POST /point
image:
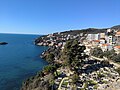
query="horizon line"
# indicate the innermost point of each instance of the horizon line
(20, 33)
(53, 32)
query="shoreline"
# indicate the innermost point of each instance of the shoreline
(69, 66)
(44, 75)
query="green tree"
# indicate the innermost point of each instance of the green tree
(118, 70)
(50, 57)
(51, 81)
(49, 68)
(73, 53)
(116, 58)
(97, 52)
(110, 54)
(75, 78)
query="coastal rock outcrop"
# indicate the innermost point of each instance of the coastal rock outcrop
(70, 68)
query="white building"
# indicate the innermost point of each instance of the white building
(118, 38)
(91, 37)
(110, 39)
(106, 47)
(102, 41)
(102, 35)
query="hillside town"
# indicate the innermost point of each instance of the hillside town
(78, 62)
(107, 41)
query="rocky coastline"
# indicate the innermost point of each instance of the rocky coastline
(69, 67)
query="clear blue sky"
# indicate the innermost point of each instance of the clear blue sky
(48, 16)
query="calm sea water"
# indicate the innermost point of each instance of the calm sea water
(18, 60)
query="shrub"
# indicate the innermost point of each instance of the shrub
(118, 70)
(75, 78)
(50, 57)
(91, 82)
(97, 52)
(105, 63)
(116, 58)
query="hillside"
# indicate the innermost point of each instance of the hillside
(72, 33)
(117, 27)
(70, 68)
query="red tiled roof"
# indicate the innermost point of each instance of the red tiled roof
(96, 40)
(105, 44)
(118, 33)
(117, 47)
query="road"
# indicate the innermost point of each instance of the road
(59, 88)
(111, 62)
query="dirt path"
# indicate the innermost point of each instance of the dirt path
(113, 85)
(101, 59)
(59, 88)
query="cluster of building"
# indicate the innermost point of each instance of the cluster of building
(59, 39)
(93, 76)
(106, 41)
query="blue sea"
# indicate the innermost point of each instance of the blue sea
(19, 60)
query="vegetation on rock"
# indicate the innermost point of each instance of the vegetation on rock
(97, 52)
(73, 54)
